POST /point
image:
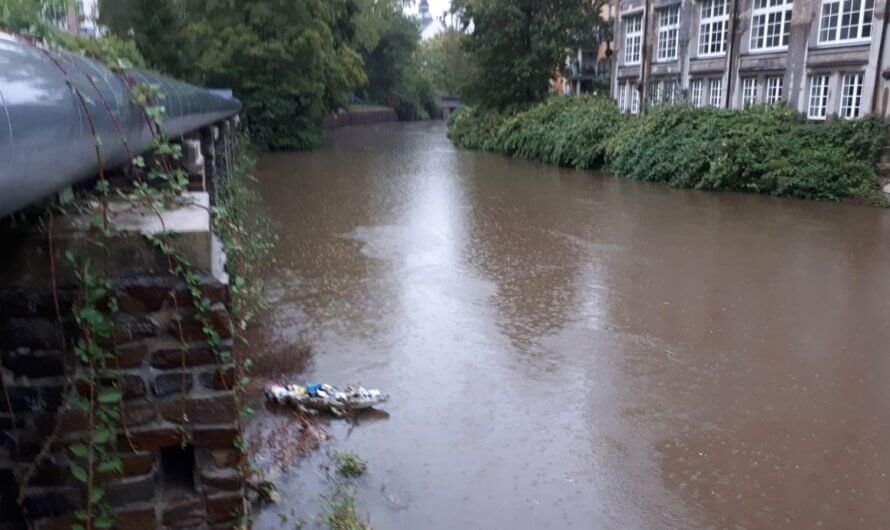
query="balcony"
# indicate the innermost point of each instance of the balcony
(589, 70)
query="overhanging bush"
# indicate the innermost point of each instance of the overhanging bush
(474, 128)
(765, 149)
(562, 131)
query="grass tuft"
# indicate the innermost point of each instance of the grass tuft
(338, 510)
(350, 465)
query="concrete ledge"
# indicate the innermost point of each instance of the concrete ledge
(128, 254)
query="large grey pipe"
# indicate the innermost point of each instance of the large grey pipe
(46, 142)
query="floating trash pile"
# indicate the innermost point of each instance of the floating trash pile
(324, 397)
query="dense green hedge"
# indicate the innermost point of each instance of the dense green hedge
(766, 149)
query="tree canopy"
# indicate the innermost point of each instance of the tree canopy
(291, 62)
(516, 46)
(286, 59)
(445, 59)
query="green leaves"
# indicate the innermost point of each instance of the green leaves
(97, 494)
(79, 473)
(79, 450)
(291, 63)
(111, 466)
(764, 149)
(523, 42)
(97, 396)
(445, 58)
(102, 435)
(80, 402)
(109, 395)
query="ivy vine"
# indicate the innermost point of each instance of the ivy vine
(159, 183)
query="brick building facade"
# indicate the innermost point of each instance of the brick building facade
(826, 58)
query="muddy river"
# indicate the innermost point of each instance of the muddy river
(569, 350)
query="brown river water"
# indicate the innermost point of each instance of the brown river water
(570, 350)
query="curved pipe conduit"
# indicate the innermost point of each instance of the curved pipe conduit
(46, 142)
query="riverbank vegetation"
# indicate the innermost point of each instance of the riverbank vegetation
(350, 464)
(446, 61)
(515, 47)
(291, 63)
(389, 43)
(764, 149)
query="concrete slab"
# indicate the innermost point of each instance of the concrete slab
(127, 254)
(190, 217)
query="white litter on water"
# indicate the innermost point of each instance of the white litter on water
(317, 397)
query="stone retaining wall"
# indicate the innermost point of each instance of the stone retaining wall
(179, 414)
(365, 117)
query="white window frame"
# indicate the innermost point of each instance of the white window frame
(851, 95)
(774, 89)
(657, 93)
(715, 92)
(764, 16)
(696, 89)
(634, 100)
(833, 35)
(622, 97)
(633, 39)
(817, 100)
(673, 89)
(749, 91)
(707, 24)
(668, 34)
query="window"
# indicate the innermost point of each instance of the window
(771, 24)
(818, 97)
(851, 95)
(846, 20)
(715, 92)
(668, 33)
(695, 89)
(633, 38)
(657, 93)
(773, 89)
(672, 92)
(622, 97)
(634, 100)
(713, 27)
(749, 91)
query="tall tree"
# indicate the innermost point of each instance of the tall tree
(516, 46)
(391, 60)
(25, 15)
(156, 26)
(445, 58)
(159, 31)
(388, 40)
(288, 60)
(117, 15)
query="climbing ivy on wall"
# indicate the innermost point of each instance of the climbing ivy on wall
(98, 394)
(159, 184)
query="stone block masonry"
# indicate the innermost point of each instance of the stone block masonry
(179, 417)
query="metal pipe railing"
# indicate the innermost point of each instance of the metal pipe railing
(46, 142)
